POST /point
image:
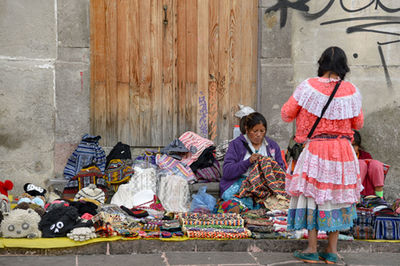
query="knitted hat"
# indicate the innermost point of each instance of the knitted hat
(5, 187)
(34, 190)
(91, 192)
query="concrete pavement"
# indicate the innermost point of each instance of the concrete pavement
(194, 258)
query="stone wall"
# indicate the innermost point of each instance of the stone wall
(293, 37)
(27, 90)
(45, 75)
(44, 86)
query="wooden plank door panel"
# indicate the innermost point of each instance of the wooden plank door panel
(163, 67)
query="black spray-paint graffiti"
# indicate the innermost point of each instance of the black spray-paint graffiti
(302, 5)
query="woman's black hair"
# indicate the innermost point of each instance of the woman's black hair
(357, 138)
(334, 60)
(254, 119)
(242, 125)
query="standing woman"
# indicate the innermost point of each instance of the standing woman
(325, 184)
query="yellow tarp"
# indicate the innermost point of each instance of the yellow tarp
(65, 242)
(44, 243)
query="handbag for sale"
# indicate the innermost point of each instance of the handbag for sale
(294, 148)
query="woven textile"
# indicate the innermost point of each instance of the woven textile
(220, 225)
(217, 219)
(175, 167)
(266, 178)
(195, 144)
(387, 228)
(217, 234)
(209, 174)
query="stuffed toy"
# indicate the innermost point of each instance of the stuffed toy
(58, 221)
(4, 201)
(21, 223)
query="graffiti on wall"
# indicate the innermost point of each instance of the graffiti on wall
(303, 5)
(203, 115)
(216, 92)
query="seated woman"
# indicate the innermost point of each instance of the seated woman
(371, 171)
(239, 160)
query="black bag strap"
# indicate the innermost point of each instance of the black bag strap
(324, 109)
(247, 147)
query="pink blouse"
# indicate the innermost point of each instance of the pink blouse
(343, 114)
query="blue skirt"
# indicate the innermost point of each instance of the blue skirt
(305, 214)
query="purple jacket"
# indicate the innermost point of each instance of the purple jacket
(234, 165)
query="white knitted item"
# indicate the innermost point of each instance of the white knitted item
(82, 233)
(143, 179)
(174, 193)
(91, 192)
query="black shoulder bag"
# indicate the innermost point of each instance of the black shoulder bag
(294, 148)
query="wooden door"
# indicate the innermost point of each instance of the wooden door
(163, 67)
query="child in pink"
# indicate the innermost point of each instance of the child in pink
(371, 171)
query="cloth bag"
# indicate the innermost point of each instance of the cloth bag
(118, 172)
(85, 177)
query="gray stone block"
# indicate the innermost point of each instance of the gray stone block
(27, 29)
(211, 258)
(73, 23)
(73, 101)
(78, 55)
(121, 260)
(276, 88)
(276, 41)
(150, 246)
(26, 122)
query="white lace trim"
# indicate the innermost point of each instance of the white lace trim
(314, 101)
(325, 171)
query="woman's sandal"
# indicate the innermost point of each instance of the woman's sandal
(307, 257)
(329, 258)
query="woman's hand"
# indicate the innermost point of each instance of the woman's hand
(254, 157)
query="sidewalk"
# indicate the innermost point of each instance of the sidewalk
(195, 258)
(143, 246)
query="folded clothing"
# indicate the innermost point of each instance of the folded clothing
(137, 213)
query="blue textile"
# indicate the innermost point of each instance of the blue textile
(229, 194)
(88, 152)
